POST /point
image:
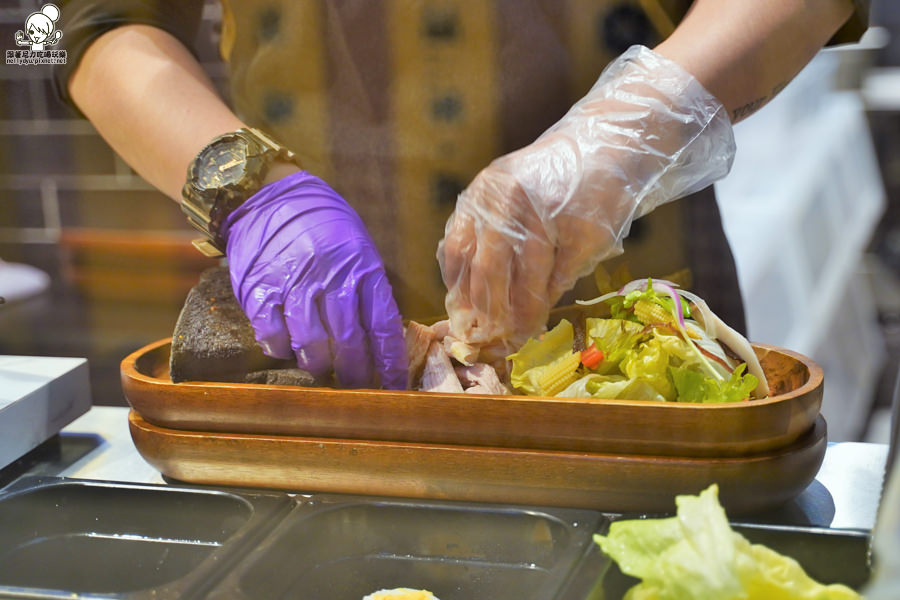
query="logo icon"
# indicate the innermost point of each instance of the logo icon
(40, 32)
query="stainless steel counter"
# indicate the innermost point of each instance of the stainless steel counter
(98, 446)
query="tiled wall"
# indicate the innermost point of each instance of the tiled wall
(117, 250)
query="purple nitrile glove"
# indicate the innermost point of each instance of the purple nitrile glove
(310, 279)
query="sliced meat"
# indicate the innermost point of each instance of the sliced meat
(465, 353)
(481, 378)
(438, 374)
(441, 328)
(418, 339)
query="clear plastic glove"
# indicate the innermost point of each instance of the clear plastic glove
(309, 277)
(536, 220)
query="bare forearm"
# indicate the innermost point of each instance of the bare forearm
(151, 101)
(744, 53)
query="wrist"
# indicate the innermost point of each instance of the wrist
(662, 129)
(288, 197)
(231, 169)
(279, 170)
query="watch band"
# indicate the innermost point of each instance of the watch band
(207, 207)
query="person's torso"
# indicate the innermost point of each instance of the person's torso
(399, 103)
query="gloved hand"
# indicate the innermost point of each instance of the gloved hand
(535, 220)
(309, 277)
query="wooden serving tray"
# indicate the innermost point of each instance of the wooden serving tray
(611, 482)
(583, 425)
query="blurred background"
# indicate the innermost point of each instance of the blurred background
(95, 263)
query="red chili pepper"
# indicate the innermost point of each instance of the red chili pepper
(591, 357)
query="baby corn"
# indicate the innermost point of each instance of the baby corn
(560, 374)
(651, 313)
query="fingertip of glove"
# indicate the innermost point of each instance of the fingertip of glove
(395, 380)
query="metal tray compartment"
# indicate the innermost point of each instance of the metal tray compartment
(343, 549)
(827, 555)
(84, 539)
(78, 539)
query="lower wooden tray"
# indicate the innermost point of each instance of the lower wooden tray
(610, 482)
(566, 424)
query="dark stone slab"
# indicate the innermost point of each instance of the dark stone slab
(214, 341)
(282, 377)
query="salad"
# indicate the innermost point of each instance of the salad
(659, 343)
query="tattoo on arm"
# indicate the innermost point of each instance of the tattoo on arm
(751, 107)
(748, 109)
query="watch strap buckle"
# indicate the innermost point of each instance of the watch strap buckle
(207, 248)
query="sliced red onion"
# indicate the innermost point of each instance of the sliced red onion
(660, 286)
(598, 299)
(670, 291)
(641, 284)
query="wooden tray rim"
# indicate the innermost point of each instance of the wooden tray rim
(816, 376)
(808, 438)
(464, 473)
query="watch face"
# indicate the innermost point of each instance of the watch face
(221, 164)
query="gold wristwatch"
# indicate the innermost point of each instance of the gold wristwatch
(229, 170)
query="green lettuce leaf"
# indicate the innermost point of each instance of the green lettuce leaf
(649, 363)
(610, 387)
(695, 555)
(533, 358)
(615, 337)
(693, 386)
